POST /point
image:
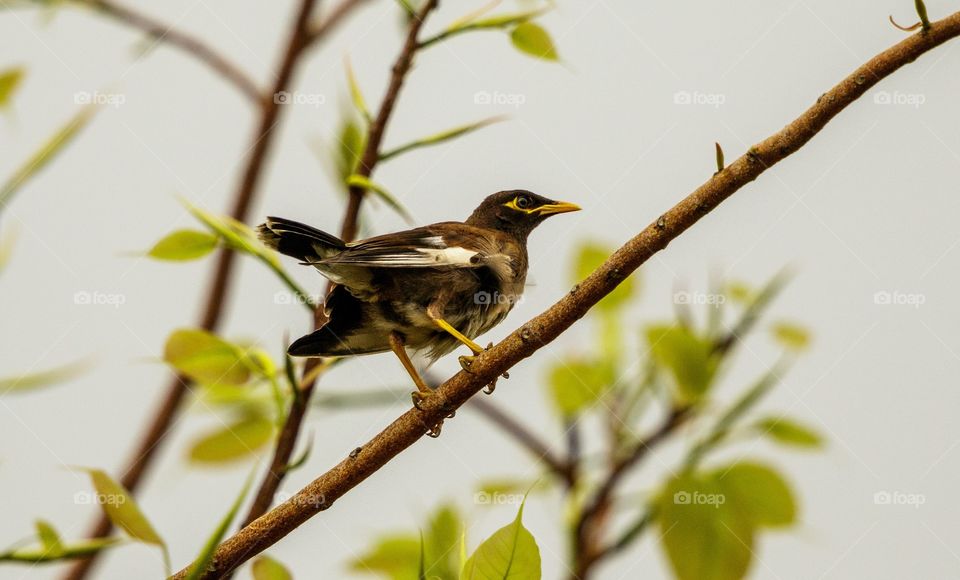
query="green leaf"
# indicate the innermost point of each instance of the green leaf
(202, 562)
(532, 39)
(123, 511)
(741, 292)
(365, 183)
(236, 441)
(355, 93)
(266, 568)
(395, 556)
(439, 138)
(788, 432)
(440, 543)
(352, 144)
(46, 154)
(577, 384)
(10, 79)
(589, 257)
(206, 358)
(704, 537)
(49, 538)
(30, 381)
(510, 553)
(759, 493)
(184, 245)
(791, 336)
(43, 555)
(688, 358)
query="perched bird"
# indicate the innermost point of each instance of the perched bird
(427, 289)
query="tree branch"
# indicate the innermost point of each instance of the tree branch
(287, 440)
(218, 294)
(192, 46)
(406, 430)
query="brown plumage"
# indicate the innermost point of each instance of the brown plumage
(468, 275)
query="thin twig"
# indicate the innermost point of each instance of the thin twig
(219, 293)
(189, 44)
(587, 532)
(526, 438)
(410, 427)
(330, 21)
(289, 433)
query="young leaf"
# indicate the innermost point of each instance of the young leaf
(49, 538)
(577, 384)
(202, 562)
(355, 93)
(41, 158)
(233, 442)
(395, 556)
(184, 245)
(788, 432)
(791, 336)
(440, 543)
(688, 358)
(758, 493)
(439, 138)
(42, 379)
(589, 257)
(9, 81)
(266, 568)
(43, 555)
(704, 538)
(352, 143)
(119, 506)
(532, 39)
(206, 358)
(511, 552)
(365, 183)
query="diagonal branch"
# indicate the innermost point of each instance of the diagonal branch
(287, 440)
(190, 44)
(406, 430)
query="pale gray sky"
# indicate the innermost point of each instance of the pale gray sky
(869, 206)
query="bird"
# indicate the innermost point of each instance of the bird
(428, 289)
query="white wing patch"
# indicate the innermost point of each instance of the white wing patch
(450, 256)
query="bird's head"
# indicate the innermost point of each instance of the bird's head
(517, 211)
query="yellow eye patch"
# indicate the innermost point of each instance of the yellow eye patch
(512, 204)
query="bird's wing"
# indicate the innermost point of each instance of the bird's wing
(444, 245)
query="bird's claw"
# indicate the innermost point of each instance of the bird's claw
(418, 397)
(466, 361)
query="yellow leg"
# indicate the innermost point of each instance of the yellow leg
(423, 391)
(446, 326)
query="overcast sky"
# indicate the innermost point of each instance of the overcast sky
(625, 128)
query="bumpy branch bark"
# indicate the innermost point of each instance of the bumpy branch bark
(412, 425)
(287, 440)
(220, 284)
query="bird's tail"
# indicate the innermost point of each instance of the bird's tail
(298, 240)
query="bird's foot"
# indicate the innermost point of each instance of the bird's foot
(466, 362)
(418, 398)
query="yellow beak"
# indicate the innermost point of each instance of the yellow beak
(559, 207)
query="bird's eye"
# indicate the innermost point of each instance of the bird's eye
(523, 202)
